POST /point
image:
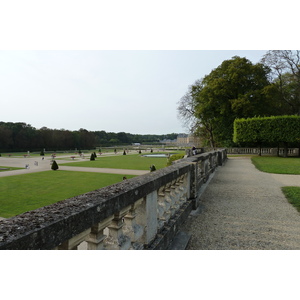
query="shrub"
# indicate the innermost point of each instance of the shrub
(54, 166)
(173, 158)
(92, 156)
(152, 168)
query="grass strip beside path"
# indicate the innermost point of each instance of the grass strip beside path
(292, 193)
(277, 165)
(22, 193)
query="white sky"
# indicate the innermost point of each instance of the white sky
(120, 65)
(118, 90)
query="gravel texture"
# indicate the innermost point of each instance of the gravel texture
(244, 209)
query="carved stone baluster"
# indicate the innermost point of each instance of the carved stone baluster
(97, 236)
(173, 198)
(116, 239)
(74, 242)
(161, 207)
(178, 193)
(168, 202)
(183, 189)
(131, 228)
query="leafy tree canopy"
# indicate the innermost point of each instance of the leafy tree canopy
(235, 89)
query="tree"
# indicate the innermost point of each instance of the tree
(285, 67)
(186, 107)
(235, 89)
(54, 166)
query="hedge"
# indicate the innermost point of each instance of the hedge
(268, 129)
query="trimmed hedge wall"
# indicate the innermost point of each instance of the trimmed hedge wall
(269, 129)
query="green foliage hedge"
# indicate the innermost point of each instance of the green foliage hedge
(173, 158)
(267, 129)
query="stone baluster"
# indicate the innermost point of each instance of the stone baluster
(97, 236)
(116, 239)
(173, 197)
(131, 228)
(164, 206)
(183, 189)
(178, 193)
(74, 242)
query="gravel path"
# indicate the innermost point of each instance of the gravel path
(244, 209)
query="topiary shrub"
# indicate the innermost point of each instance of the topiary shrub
(152, 168)
(92, 156)
(173, 158)
(54, 166)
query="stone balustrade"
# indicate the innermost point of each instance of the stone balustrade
(139, 213)
(264, 151)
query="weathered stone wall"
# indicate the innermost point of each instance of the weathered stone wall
(140, 213)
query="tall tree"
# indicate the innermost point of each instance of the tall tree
(285, 66)
(235, 89)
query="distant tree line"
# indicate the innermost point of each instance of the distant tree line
(20, 136)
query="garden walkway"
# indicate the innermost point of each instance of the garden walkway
(244, 209)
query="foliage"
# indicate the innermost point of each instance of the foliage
(235, 89)
(173, 158)
(277, 165)
(27, 192)
(269, 129)
(152, 168)
(15, 137)
(285, 66)
(292, 194)
(92, 156)
(54, 166)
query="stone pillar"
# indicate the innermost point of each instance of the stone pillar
(147, 217)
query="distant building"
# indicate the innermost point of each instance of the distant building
(165, 141)
(188, 140)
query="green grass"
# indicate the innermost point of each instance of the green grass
(9, 168)
(292, 194)
(27, 192)
(132, 162)
(277, 165)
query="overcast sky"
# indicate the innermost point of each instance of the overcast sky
(122, 65)
(131, 91)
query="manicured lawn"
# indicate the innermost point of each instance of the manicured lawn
(8, 168)
(292, 194)
(277, 165)
(133, 162)
(27, 192)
